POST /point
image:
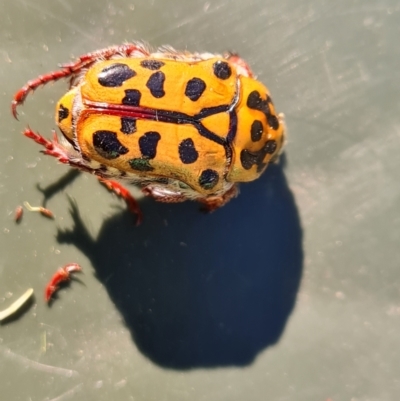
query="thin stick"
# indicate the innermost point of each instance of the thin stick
(15, 306)
(45, 212)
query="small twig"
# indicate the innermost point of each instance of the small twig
(15, 306)
(45, 212)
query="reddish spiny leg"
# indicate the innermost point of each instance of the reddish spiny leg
(73, 68)
(63, 274)
(55, 149)
(52, 148)
(121, 191)
(212, 203)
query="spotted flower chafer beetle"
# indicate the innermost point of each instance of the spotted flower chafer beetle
(179, 125)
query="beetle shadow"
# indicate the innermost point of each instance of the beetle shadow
(58, 186)
(202, 290)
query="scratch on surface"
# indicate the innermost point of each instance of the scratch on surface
(68, 393)
(187, 21)
(65, 5)
(365, 10)
(54, 331)
(364, 76)
(37, 365)
(6, 56)
(64, 21)
(180, 24)
(328, 71)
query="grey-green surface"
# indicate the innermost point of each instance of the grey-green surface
(290, 292)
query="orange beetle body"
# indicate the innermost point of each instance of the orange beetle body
(179, 125)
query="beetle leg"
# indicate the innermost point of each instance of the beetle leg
(73, 68)
(212, 203)
(30, 86)
(122, 192)
(163, 196)
(61, 275)
(52, 148)
(241, 66)
(61, 153)
(86, 60)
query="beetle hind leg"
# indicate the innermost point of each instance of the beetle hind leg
(212, 203)
(124, 193)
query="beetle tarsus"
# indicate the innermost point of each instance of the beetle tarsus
(62, 275)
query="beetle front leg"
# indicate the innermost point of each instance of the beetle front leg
(86, 60)
(30, 86)
(74, 68)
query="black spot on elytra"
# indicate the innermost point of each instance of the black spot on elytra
(273, 121)
(128, 125)
(222, 70)
(248, 159)
(256, 130)
(63, 113)
(156, 84)
(152, 64)
(255, 102)
(270, 146)
(115, 75)
(140, 164)
(208, 179)
(107, 144)
(187, 151)
(132, 97)
(195, 88)
(148, 144)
